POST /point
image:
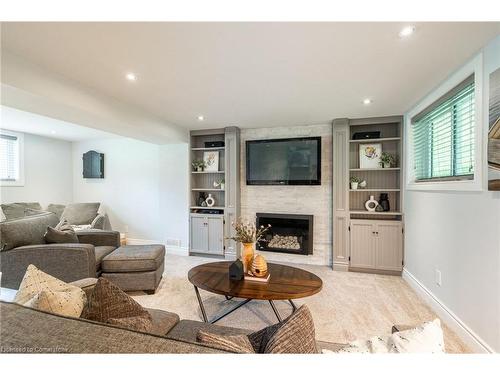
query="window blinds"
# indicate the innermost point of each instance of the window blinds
(9, 157)
(443, 136)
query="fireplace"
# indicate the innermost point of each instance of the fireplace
(292, 234)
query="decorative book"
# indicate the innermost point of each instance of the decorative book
(264, 279)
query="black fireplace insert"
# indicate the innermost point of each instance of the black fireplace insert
(289, 233)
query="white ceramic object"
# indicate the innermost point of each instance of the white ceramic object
(211, 201)
(371, 204)
(362, 184)
(354, 185)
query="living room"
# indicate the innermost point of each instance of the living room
(250, 187)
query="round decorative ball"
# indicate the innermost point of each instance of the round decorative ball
(259, 266)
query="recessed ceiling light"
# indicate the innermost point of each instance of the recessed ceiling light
(367, 101)
(406, 31)
(201, 118)
(131, 77)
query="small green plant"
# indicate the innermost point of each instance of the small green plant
(198, 164)
(355, 179)
(387, 160)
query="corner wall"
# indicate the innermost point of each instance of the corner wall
(459, 234)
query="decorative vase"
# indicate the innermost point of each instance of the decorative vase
(210, 200)
(247, 255)
(199, 169)
(371, 204)
(354, 185)
(386, 165)
(362, 184)
(384, 201)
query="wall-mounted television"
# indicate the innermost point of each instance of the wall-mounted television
(287, 161)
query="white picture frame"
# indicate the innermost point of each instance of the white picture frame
(369, 155)
(211, 159)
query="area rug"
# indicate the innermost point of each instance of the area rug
(350, 306)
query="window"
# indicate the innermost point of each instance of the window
(444, 137)
(11, 148)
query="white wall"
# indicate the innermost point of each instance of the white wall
(459, 234)
(144, 190)
(129, 191)
(48, 172)
(174, 195)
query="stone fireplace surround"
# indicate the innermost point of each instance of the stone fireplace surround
(313, 200)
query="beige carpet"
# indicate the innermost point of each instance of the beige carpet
(350, 306)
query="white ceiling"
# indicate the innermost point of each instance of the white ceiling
(26, 122)
(253, 74)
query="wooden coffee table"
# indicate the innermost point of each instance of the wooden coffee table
(285, 283)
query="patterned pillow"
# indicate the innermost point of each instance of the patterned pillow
(44, 292)
(426, 338)
(295, 334)
(109, 304)
(235, 344)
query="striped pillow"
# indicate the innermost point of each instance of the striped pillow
(295, 335)
(235, 344)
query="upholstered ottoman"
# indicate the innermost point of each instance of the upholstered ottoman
(135, 267)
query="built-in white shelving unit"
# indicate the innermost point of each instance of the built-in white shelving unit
(364, 240)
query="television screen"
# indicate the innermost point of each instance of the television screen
(291, 161)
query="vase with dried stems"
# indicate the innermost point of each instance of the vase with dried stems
(248, 234)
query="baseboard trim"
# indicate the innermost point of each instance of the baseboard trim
(468, 335)
(174, 250)
(139, 241)
(177, 250)
(340, 267)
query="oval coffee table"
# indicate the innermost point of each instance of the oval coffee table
(285, 283)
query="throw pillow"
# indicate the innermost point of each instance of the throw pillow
(426, 338)
(109, 304)
(80, 213)
(235, 344)
(56, 209)
(44, 292)
(376, 344)
(294, 335)
(60, 236)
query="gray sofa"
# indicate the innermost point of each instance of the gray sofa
(23, 243)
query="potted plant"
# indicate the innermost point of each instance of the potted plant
(220, 184)
(198, 165)
(247, 234)
(355, 182)
(387, 160)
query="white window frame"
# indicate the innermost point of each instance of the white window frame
(20, 138)
(475, 66)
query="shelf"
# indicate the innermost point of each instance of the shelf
(390, 213)
(207, 148)
(373, 169)
(211, 189)
(389, 139)
(382, 190)
(206, 208)
(204, 172)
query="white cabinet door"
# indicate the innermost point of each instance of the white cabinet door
(362, 244)
(216, 235)
(389, 246)
(199, 234)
